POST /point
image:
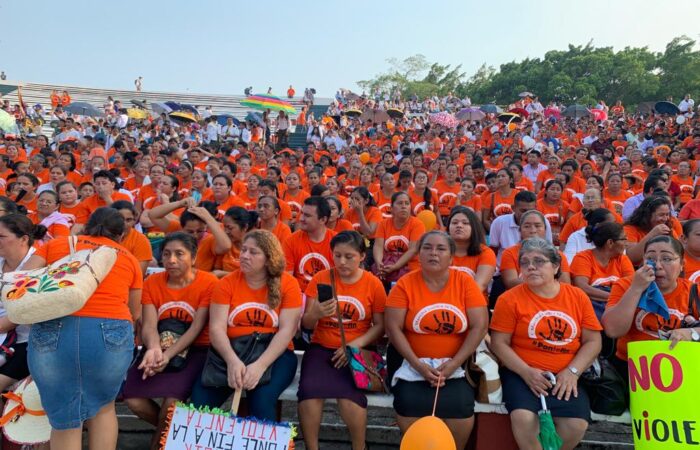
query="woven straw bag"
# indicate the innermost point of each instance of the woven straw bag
(58, 290)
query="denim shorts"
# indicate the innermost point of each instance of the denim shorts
(79, 364)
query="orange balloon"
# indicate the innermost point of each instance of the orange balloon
(364, 157)
(512, 126)
(428, 433)
(428, 218)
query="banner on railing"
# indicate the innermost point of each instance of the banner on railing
(664, 393)
(189, 428)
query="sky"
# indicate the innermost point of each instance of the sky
(221, 47)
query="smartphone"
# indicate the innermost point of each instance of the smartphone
(325, 292)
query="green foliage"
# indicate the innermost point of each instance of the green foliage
(579, 74)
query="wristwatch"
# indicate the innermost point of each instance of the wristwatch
(694, 335)
(574, 370)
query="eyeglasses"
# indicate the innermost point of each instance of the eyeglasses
(537, 262)
(666, 260)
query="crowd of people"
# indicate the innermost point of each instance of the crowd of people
(537, 237)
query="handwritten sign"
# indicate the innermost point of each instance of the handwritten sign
(664, 389)
(192, 429)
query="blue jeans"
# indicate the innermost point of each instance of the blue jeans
(262, 401)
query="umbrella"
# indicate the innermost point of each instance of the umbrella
(394, 113)
(139, 103)
(83, 109)
(526, 94)
(175, 106)
(666, 108)
(552, 112)
(181, 116)
(255, 117)
(375, 115)
(576, 111)
(491, 109)
(222, 118)
(444, 119)
(265, 101)
(7, 121)
(470, 114)
(548, 437)
(508, 117)
(161, 108)
(521, 112)
(599, 114)
(645, 107)
(353, 113)
(137, 113)
(189, 108)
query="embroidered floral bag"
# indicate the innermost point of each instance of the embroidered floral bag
(57, 290)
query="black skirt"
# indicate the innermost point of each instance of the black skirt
(16, 366)
(416, 398)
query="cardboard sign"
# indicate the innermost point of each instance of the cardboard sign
(664, 393)
(192, 429)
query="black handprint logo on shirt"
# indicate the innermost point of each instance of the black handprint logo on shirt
(257, 318)
(347, 311)
(445, 323)
(557, 330)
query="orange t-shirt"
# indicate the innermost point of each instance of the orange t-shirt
(686, 186)
(398, 240)
(138, 245)
(470, 264)
(446, 195)
(691, 268)
(646, 325)
(555, 214)
(76, 214)
(207, 260)
(111, 298)
(546, 332)
(372, 215)
(617, 201)
(249, 311)
(295, 202)
(525, 184)
(180, 304)
(306, 258)
(383, 204)
(358, 301)
(281, 231)
(474, 203)
(53, 231)
(94, 202)
(636, 234)
(436, 323)
(509, 260)
(418, 203)
(497, 203)
(586, 265)
(341, 225)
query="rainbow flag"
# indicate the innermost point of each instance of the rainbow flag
(265, 101)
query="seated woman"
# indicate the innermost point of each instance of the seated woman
(213, 255)
(625, 321)
(175, 301)
(57, 224)
(435, 319)
(471, 255)
(595, 270)
(134, 241)
(651, 218)
(324, 370)
(269, 214)
(532, 224)
(259, 297)
(691, 250)
(577, 241)
(533, 331)
(396, 240)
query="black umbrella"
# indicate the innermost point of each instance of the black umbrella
(645, 107)
(83, 109)
(576, 111)
(666, 108)
(509, 117)
(375, 115)
(353, 113)
(394, 113)
(139, 103)
(491, 109)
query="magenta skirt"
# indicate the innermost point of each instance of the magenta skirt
(166, 384)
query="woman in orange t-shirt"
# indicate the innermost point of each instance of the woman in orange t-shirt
(269, 214)
(57, 224)
(542, 326)
(294, 195)
(614, 192)
(396, 240)
(134, 241)
(595, 270)
(325, 373)
(422, 197)
(532, 225)
(624, 320)
(387, 185)
(260, 297)
(467, 197)
(555, 210)
(471, 255)
(500, 201)
(336, 223)
(222, 257)
(651, 218)
(79, 361)
(363, 213)
(447, 190)
(435, 319)
(691, 255)
(685, 182)
(70, 205)
(175, 313)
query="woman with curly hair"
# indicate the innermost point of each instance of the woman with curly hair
(263, 301)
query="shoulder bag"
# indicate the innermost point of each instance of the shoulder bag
(248, 348)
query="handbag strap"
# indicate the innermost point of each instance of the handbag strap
(72, 242)
(338, 315)
(694, 301)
